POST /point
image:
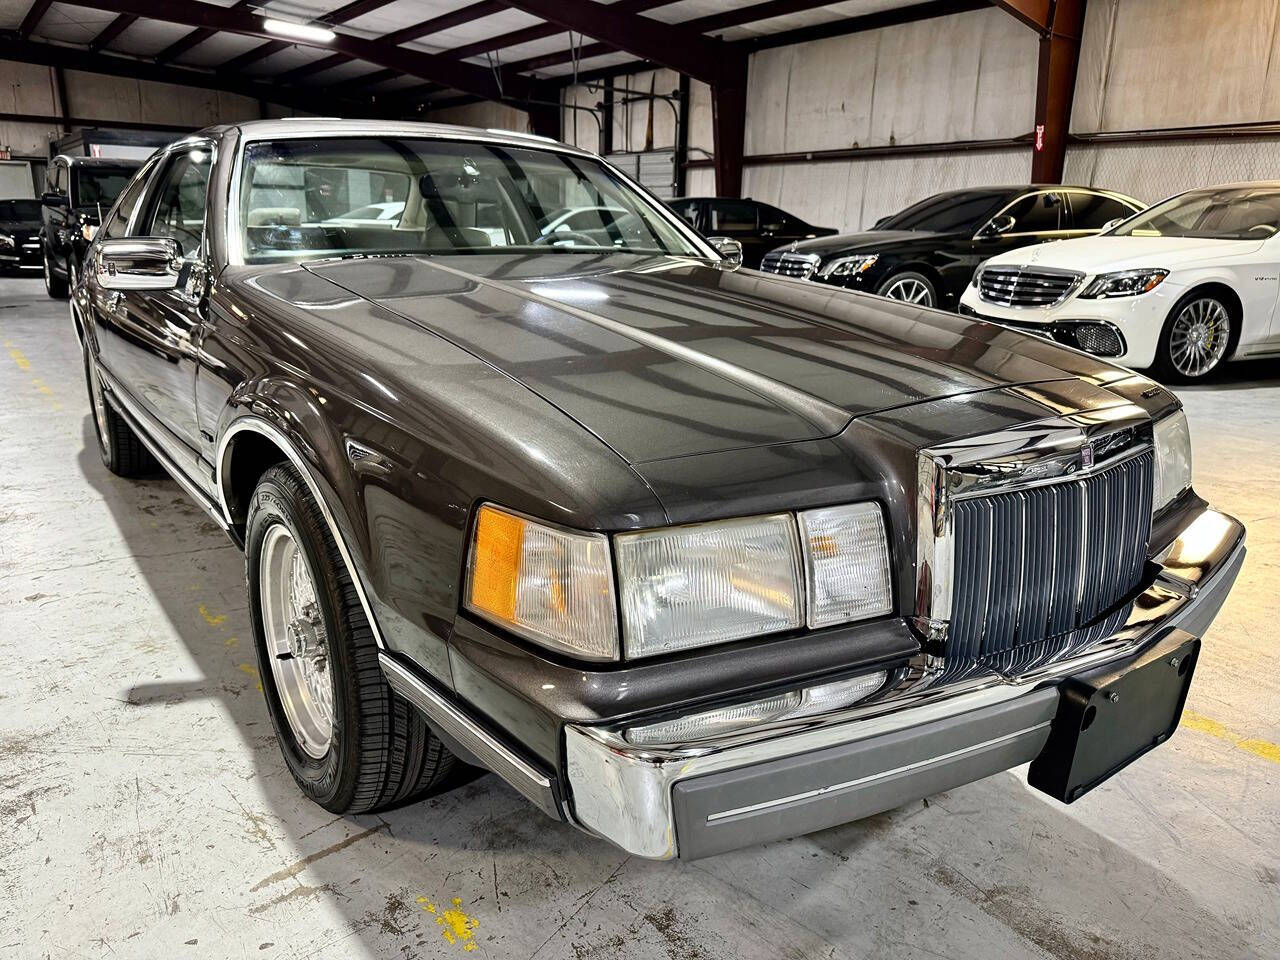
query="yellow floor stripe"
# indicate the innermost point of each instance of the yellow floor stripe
(1259, 748)
(18, 358)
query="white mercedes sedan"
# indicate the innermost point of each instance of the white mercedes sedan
(1181, 287)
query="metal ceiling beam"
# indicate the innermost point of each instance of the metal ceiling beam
(349, 12)
(673, 46)
(35, 12)
(13, 47)
(1036, 14)
(869, 21)
(116, 27)
(416, 32)
(540, 31)
(194, 13)
(192, 39)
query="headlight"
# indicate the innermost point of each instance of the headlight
(792, 705)
(678, 587)
(552, 585)
(6, 241)
(977, 277)
(848, 266)
(1126, 283)
(1173, 459)
(708, 583)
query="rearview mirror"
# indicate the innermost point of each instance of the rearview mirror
(728, 248)
(139, 263)
(996, 226)
(53, 200)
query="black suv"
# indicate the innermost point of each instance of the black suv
(927, 253)
(757, 226)
(19, 235)
(78, 192)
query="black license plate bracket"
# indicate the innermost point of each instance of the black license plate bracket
(1111, 716)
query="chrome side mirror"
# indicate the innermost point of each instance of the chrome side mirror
(729, 249)
(996, 226)
(138, 263)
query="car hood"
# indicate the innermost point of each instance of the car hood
(1092, 255)
(664, 357)
(868, 241)
(23, 226)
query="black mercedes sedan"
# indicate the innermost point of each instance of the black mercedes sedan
(19, 235)
(759, 227)
(691, 556)
(78, 191)
(927, 253)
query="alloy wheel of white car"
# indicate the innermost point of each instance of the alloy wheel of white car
(1198, 337)
(909, 287)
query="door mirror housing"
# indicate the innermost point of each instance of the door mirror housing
(729, 249)
(51, 199)
(996, 226)
(138, 263)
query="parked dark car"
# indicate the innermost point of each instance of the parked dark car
(78, 191)
(927, 254)
(693, 557)
(19, 235)
(758, 226)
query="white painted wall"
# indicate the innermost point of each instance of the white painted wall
(485, 115)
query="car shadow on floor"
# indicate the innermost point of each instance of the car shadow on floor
(1240, 375)
(1018, 876)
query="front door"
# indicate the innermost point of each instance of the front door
(150, 338)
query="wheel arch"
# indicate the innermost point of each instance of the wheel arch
(922, 267)
(1227, 294)
(250, 444)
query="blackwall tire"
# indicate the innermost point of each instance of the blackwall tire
(377, 752)
(55, 287)
(121, 450)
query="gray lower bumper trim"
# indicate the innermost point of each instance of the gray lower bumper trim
(795, 795)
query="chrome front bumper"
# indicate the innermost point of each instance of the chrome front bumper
(698, 799)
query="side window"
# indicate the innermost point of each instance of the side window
(1039, 212)
(176, 205)
(1093, 210)
(686, 210)
(771, 218)
(732, 216)
(117, 223)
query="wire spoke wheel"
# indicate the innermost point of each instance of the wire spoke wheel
(1198, 337)
(297, 642)
(910, 290)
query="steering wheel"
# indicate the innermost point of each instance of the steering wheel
(574, 236)
(1268, 228)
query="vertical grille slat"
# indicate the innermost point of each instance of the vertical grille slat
(1035, 569)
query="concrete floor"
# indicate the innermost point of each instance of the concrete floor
(145, 811)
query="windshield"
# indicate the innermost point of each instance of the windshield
(1237, 213)
(304, 198)
(19, 209)
(963, 210)
(99, 185)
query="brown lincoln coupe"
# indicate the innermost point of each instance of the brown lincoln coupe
(692, 556)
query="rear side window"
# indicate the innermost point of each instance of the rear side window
(1093, 210)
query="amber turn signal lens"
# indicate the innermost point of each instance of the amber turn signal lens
(546, 583)
(496, 564)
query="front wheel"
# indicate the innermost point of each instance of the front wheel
(352, 744)
(54, 286)
(1196, 339)
(911, 287)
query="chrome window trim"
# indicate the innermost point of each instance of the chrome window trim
(309, 128)
(1021, 457)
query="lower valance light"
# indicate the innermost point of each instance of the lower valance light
(792, 705)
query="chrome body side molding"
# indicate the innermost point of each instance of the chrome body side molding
(456, 725)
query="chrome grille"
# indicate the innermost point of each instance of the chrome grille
(1035, 569)
(800, 265)
(1025, 287)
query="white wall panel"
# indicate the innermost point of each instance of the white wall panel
(897, 85)
(854, 194)
(1153, 171)
(485, 115)
(1154, 63)
(27, 88)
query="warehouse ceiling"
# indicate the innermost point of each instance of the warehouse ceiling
(397, 57)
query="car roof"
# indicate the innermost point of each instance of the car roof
(99, 161)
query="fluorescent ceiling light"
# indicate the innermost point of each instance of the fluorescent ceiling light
(298, 31)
